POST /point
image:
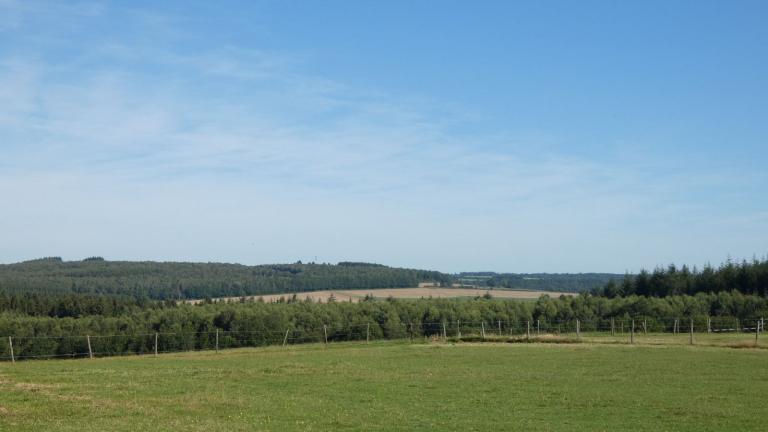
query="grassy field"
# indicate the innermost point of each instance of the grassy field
(395, 386)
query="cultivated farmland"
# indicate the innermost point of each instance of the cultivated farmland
(390, 386)
(401, 293)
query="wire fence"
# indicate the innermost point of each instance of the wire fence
(720, 331)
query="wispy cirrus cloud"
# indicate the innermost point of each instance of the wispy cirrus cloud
(121, 146)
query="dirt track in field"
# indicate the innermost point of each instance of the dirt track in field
(403, 293)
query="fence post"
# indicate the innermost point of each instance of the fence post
(691, 331)
(367, 332)
(285, 339)
(757, 331)
(217, 341)
(538, 327)
(528, 330)
(445, 333)
(632, 333)
(578, 329)
(10, 344)
(499, 328)
(90, 351)
(613, 328)
(155, 344)
(645, 326)
(325, 332)
(709, 325)
(458, 329)
(482, 328)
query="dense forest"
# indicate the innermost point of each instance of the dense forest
(564, 282)
(74, 305)
(166, 280)
(745, 277)
(130, 328)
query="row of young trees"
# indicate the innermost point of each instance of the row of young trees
(745, 277)
(249, 323)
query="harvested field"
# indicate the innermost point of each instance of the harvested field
(401, 293)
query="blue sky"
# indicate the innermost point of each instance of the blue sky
(507, 136)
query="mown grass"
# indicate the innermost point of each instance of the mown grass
(395, 386)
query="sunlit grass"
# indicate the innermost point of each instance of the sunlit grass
(395, 386)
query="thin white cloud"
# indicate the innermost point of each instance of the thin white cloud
(13, 13)
(138, 151)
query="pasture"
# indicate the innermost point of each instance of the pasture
(390, 386)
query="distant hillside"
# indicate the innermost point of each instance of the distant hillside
(165, 280)
(566, 282)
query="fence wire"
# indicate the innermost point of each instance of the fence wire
(709, 331)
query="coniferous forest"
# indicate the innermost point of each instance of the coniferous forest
(181, 280)
(747, 277)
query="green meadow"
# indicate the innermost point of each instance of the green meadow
(392, 386)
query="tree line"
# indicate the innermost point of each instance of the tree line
(174, 280)
(748, 277)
